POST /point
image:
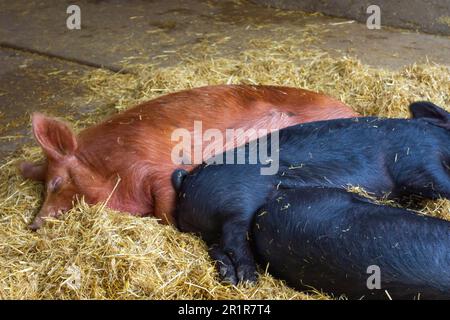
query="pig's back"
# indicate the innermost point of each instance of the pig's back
(327, 238)
(147, 128)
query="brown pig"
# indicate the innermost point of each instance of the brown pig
(126, 160)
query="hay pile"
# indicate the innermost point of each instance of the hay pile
(96, 253)
(99, 254)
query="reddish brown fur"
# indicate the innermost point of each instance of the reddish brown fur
(136, 145)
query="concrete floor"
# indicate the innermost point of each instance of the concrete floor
(40, 59)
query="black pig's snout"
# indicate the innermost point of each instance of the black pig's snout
(177, 178)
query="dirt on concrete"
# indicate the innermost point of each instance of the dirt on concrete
(30, 82)
(427, 16)
(154, 31)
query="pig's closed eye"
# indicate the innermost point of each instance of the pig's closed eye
(55, 184)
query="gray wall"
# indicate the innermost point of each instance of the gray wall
(432, 16)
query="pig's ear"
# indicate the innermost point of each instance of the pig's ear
(54, 136)
(430, 112)
(177, 178)
(33, 171)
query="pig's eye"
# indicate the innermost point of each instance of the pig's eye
(55, 184)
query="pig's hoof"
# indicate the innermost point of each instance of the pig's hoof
(36, 224)
(246, 274)
(224, 265)
(33, 227)
(227, 273)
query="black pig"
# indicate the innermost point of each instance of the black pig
(333, 240)
(394, 156)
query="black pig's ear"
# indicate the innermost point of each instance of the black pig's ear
(177, 178)
(430, 112)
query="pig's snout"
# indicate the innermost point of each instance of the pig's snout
(39, 220)
(36, 224)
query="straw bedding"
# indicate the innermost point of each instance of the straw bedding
(99, 254)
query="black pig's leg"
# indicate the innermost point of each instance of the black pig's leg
(434, 182)
(441, 182)
(430, 180)
(224, 264)
(236, 245)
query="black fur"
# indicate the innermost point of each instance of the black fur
(327, 238)
(398, 157)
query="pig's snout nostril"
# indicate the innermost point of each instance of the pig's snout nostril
(35, 225)
(38, 222)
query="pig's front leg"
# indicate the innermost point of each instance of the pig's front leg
(224, 264)
(236, 246)
(164, 201)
